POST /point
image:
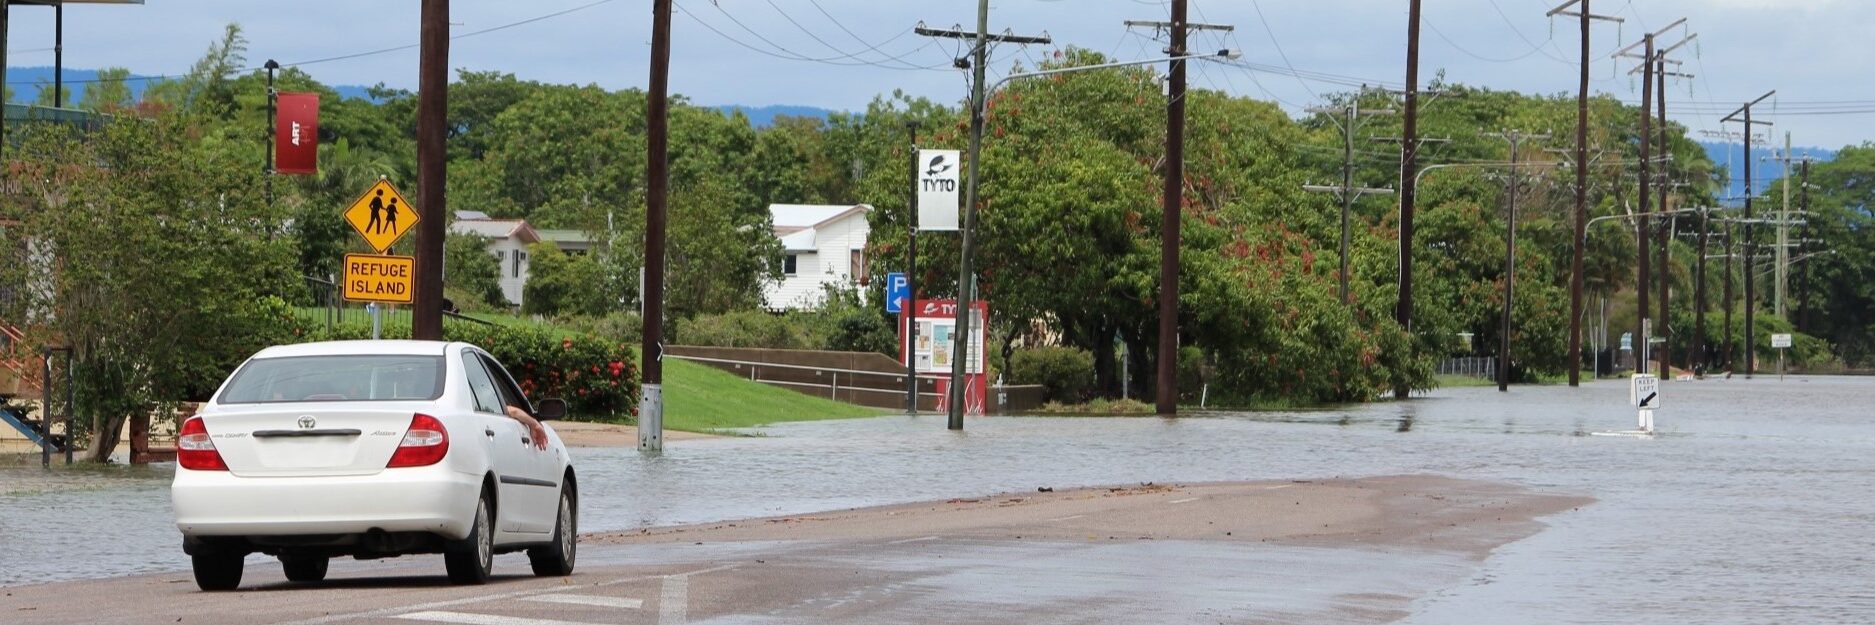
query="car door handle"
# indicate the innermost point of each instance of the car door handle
(488, 432)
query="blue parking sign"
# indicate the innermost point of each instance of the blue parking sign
(897, 290)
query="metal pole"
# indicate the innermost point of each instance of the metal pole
(1663, 230)
(1641, 224)
(1409, 148)
(1582, 229)
(58, 54)
(426, 323)
(657, 194)
(71, 405)
(273, 99)
(1727, 305)
(965, 295)
(1172, 210)
(6, 11)
(911, 280)
(45, 406)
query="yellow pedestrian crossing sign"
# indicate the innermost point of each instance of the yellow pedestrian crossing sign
(381, 215)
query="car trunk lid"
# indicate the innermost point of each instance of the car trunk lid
(308, 439)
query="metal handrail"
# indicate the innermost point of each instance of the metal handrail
(899, 375)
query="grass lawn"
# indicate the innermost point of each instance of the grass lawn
(699, 398)
(1461, 381)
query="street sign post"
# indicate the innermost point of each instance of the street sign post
(386, 279)
(1781, 342)
(897, 292)
(382, 215)
(1644, 394)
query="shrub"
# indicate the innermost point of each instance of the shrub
(749, 328)
(597, 377)
(1065, 373)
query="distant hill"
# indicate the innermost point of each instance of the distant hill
(1764, 171)
(764, 116)
(26, 83)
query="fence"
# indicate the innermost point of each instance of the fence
(330, 308)
(1470, 366)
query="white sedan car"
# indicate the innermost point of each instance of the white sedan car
(372, 449)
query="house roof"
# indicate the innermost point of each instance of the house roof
(564, 236)
(498, 229)
(797, 224)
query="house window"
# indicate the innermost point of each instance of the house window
(790, 264)
(519, 258)
(856, 266)
(500, 257)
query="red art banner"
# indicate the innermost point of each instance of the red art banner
(296, 134)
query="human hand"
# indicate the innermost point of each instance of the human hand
(536, 430)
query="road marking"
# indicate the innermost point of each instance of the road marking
(1065, 518)
(394, 611)
(1186, 500)
(593, 600)
(1279, 486)
(912, 540)
(481, 619)
(674, 601)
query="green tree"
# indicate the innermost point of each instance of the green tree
(111, 90)
(47, 93)
(472, 271)
(562, 283)
(161, 281)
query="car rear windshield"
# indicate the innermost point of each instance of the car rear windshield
(336, 378)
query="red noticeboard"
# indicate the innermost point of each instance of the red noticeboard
(296, 134)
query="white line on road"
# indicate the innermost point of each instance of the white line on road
(912, 540)
(674, 601)
(1186, 500)
(593, 600)
(481, 619)
(1065, 518)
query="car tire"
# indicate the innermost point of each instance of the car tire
(469, 560)
(556, 559)
(305, 568)
(217, 570)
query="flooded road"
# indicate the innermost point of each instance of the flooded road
(1752, 506)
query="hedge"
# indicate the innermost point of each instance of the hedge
(597, 378)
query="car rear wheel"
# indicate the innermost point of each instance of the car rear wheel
(217, 570)
(556, 559)
(304, 568)
(469, 560)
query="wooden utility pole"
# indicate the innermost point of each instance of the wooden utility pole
(1516, 139)
(1743, 114)
(1697, 352)
(1650, 58)
(1803, 246)
(426, 311)
(1582, 186)
(1172, 210)
(657, 204)
(966, 271)
(1663, 231)
(1347, 192)
(1409, 149)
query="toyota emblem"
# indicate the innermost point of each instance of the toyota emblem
(307, 422)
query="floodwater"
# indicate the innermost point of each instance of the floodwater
(1754, 505)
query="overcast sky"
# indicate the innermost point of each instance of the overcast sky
(1815, 53)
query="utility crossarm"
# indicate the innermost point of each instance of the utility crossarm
(1188, 25)
(1358, 191)
(1223, 54)
(1564, 10)
(1005, 37)
(1734, 115)
(1626, 52)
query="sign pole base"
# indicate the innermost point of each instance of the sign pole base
(651, 418)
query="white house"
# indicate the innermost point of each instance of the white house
(824, 244)
(507, 240)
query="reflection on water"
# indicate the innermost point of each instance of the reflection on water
(1751, 506)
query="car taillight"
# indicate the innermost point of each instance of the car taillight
(425, 443)
(195, 450)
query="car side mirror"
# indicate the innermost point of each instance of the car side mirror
(550, 409)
